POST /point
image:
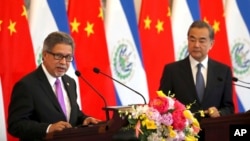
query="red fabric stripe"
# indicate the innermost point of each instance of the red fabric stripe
(216, 18)
(91, 51)
(17, 57)
(157, 46)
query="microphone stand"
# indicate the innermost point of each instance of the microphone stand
(235, 79)
(241, 86)
(96, 70)
(106, 111)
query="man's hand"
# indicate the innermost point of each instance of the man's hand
(212, 112)
(59, 126)
(90, 120)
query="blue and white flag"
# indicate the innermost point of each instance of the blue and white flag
(238, 29)
(47, 16)
(125, 51)
(184, 12)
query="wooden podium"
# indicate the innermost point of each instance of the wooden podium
(217, 129)
(104, 131)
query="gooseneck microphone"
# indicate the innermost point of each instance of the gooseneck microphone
(96, 70)
(236, 80)
(78, 74)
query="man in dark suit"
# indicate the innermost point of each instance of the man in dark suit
(34, 109)
(180, 77)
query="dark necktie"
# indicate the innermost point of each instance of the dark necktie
(59, 94)
(200, 85)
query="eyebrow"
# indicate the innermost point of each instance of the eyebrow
(201, 38)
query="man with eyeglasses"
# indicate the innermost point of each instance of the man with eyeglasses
(34, 109)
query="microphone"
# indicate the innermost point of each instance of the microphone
(96, 70)
(78, 74)
(236, 80)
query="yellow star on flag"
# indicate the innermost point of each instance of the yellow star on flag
(205, 20)
(100, 15)
(169, 12)
(159, 26)
(147, 23)
(216, 26)
(89, 29)
(11, 27)
(75, 24)
(24, 13)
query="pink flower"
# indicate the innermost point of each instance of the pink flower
(178, 120)
(160, 103)
(167, 119)
(179, 106)
(153, 114)
(164, 118)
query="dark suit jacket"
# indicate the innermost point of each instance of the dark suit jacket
(34, 106)
(177, 77)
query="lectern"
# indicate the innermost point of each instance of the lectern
(218, 129)
(104, 131)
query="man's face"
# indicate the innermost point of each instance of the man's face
(199, 43)
(57, 67)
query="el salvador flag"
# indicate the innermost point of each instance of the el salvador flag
(184, 12)
(238, 29)
(125, 51)
(47, 16)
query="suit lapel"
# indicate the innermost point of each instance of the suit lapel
(189, 80)
(211, 78)
(187, 73)
(46, 87)
(68, 88)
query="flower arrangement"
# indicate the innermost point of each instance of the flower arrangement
(164, 118)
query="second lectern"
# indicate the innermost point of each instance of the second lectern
(218, 129)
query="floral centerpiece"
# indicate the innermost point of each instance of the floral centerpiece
(164, 118)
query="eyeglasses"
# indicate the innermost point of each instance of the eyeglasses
(57, 56)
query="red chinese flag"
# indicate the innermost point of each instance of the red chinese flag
(17, 57)
(156, 40)
(87, 29)
(216, 19)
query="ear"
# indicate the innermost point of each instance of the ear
(211, 44)
(44, 53)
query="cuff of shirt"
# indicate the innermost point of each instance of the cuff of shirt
(47, 131)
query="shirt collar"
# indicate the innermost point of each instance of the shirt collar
(50, 78)
(194, 62)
